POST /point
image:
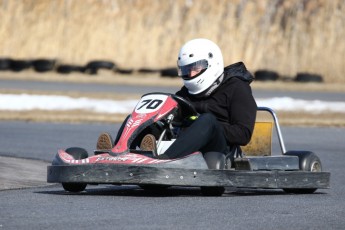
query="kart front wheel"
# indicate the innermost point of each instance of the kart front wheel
(308, 161)
(74, 187)
(78, 154)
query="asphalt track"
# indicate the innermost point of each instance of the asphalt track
(129, 207)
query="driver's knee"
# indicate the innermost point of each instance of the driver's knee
(207, 119)
(209, 123)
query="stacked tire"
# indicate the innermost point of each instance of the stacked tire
(5, 64)
(308, 77)
(20, 65)
(169, 72)
(67, 69)
(43, 65)
(266, 75)
(93, 66)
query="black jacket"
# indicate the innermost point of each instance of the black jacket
(232, 103)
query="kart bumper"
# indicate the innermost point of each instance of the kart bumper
(140, 175)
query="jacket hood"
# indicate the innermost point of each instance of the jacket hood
(238, 70)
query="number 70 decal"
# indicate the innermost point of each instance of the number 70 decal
(150, 103)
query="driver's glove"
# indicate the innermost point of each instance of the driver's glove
(188, 121)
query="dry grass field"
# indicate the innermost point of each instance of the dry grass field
(286, 36)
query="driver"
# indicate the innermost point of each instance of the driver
(222, 97)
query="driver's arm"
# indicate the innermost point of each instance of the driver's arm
(242, 114)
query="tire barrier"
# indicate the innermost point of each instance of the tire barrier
(169, 72)
(93, 66)
(148, 70)
(124, 71)
(266, 75)
(308, 77)
(5, 64)
(67, 69)
(20, 65)
(43, 65)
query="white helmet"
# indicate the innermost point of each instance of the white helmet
(200, 64)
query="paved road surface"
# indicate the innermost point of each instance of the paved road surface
(128, 207)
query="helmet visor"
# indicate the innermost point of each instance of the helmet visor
(193, 70)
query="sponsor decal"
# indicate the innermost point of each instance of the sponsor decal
(140, 116)
(119, 158)
(131, 124)
(128, 158)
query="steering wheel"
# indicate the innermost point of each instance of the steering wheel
(186, 109)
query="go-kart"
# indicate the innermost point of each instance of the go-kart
(165, 115)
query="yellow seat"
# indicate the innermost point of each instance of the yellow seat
(261, 141)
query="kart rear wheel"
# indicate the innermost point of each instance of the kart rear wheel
(212, 191)
(214, 160)
(78, 154)
(308, 161)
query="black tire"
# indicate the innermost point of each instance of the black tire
(307, 77)
(74, 187)
(5, 64)
(78, 154)
(147, 70)
(43, 65)
(214, 160)
(20, 65)
(124, 71)
(169, 72)
(266, 75)
(212, 191)
(66, 69)
(308, 161)
(100, 65)
(93, 66)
